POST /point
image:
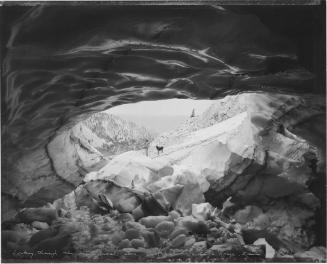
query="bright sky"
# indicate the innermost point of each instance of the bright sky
(162, 115)
(171, 107)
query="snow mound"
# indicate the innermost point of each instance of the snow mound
(132, 169)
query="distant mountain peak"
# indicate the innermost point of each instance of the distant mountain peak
(118, 134)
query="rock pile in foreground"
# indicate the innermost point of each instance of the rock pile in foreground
(80, 235)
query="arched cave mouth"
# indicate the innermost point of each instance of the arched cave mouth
(120, 129)
(260, 142)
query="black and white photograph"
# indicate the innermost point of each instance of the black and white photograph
(163, 131)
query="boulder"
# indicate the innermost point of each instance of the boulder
(214, 232)
(170, 194)
(121, 198)
(29, 215)
(22, 228)
(126, 217)
(193, 225)
(40, 225)
(134, 225)
(174, 215)
(270, 251)
(201, 211)
(262, 221)
(153, 204)
(190, 194)
(199, 246)
(247, 214)
(165, 228)
(72, 155)
(138, 213)
(57, 243)
(42, 235)
(189, 242)
(125, 243)
(287, 222)
(13, 236)
(221, 248)
(152, 221)
(117, 237)
(307, 199)
(178, 231)
(127, 205)
(163, 183)
(188, 222)
(178, 241)
(180, 190)
(132, 233)
(26, 176)
(107, 227)
(138, 243)
(68, 201)
(160, 198)
(314, 254)
(101, 239)
(255, 250)
(151, 238)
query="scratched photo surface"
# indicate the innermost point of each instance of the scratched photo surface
(163, 132)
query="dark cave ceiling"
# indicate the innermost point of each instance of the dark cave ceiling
(61, 63)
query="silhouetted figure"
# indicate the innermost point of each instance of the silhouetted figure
(159, 148)
(147, 147)
(193, 113)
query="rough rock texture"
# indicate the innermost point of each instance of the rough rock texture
(270, 252)
(314, 254)
(32, 172)
(72, 156)
(121, 198)
(202, 211)
(84, 235)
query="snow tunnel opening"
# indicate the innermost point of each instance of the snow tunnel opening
(101, 136)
